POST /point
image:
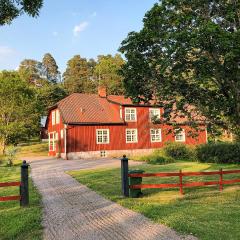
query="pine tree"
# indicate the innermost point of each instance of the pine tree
(76, 78)
(50, 68)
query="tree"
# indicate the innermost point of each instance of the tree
(50, 68)
(188, 52)
(19, 115)
(49, 95)
(10, 9)
(107, 71)
(31, 71)
(76, 78)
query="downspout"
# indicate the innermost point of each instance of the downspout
(65, 140)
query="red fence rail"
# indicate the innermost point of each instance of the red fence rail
(182, 184)
(23, 185)
(10, 198)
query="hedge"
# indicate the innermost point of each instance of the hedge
(219, 153)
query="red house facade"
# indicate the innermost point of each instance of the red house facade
(89, 125)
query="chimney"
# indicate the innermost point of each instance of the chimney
(102, 91)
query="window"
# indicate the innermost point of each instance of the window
(180, 136)
(154, 113)
(51, 141)
(156, 135)
(102, 136)
(130, 114)
(62, 134)
(57, 117)
(131, 136)
(53, 117)
(120, 112)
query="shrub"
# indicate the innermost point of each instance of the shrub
(179, 151)
(219, 153)
(155, 158)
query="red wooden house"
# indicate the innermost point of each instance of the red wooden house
(91, 125)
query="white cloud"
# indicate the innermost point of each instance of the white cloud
(80, 28)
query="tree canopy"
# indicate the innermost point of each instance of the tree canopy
(107, 73)
(10, 9)
(188, 52)
(19, 115)
(50, 68)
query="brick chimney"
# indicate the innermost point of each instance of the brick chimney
(102, 91)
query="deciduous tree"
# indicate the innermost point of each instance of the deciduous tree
(188, 52)
(10, 9)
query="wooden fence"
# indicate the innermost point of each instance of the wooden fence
(23, 187)
(182, 184)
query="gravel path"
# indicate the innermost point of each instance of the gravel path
(72, 211)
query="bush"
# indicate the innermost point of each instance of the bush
(155, 158)
(179, 151)
(219, 153)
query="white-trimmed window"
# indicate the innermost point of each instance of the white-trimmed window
(102, 136)
(62, 133)
(131, 135)
(57, 117)
(180, 136)
(51, 140)
(53, 118)
(154, 113)
(156, 135)
(130, 114)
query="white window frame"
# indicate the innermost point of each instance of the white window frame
(97, 135)
(155, 135)
(53, 118)
(152, 115)
(57, 116)
(62, 133)
(182, 132)
(130, 114)
(51, 141)
(136, 133)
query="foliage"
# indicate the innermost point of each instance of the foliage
(219, 153)
(14, 8)
(30, 70)
(11, 153)
(49, 95)
(155, 158)
(107, 72)
(19, 116)
(50, 68)
(199, 212)
(188, 52)
(179, 151)
(76, 78)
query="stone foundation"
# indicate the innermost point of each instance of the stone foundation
(106, 154)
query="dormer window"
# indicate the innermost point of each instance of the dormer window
(130, 114)
(53, 118)
(154, 114)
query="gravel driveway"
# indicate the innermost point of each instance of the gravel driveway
(73, 211)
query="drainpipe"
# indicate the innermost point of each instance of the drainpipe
(65, 140)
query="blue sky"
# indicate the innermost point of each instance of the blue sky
(69, 27)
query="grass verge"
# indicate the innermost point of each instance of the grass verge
(204, 212)
(19, 223)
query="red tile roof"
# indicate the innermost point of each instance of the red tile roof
(88, 108)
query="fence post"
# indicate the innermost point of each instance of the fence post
(24, 192)
(181, 182)
(221, 180)
(124, 175)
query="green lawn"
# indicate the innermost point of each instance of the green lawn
(19, 223)
(204, 212)
(33, 150)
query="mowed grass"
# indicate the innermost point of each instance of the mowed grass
(19, 223)
(204, 212)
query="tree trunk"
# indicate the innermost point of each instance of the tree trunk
(2, 147)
